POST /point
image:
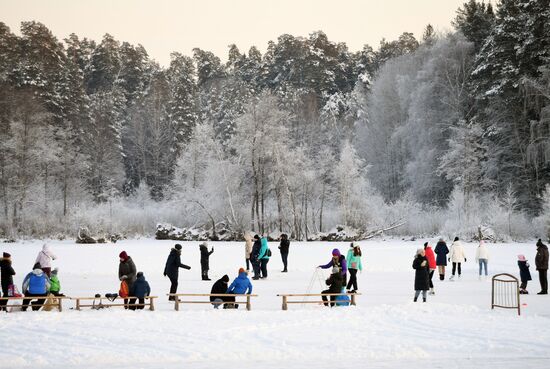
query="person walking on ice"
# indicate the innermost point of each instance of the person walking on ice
(421, 275)
(171, 269)
(524, 274)
(44, 258)
(457, 256)
(284, 247)
(482, 257)
(247, 249)
(353, 260)
(205, 260)
(430, 256)
(441, 250)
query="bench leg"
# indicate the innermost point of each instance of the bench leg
(177, 304)
(77, 304)
(60, 306)
(151, 304)
(285, 305)
(353, 299)
(248, 307)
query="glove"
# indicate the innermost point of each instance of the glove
(187, 267)
(319, 267)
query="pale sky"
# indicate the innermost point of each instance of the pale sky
(163, 26)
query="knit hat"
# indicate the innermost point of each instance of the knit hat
(123, 255)
(241, 270)
(225, 278)
(139, 274)
(539, 242)
(456, 238)
(426, 245)
(37, 266)
(205, 244)
(178, 246)
(336, 252)
(335, 270)
(6, 255)
(55, 270)
(521, 257)
(256, 237)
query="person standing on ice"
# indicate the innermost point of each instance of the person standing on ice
(421, 275)
(524, 274)
(284, 247)
(335, 285)
(6, 276)
(353, 260)
(171, 269)
(127, 272)
(254, 257)
(241, 285)
(339, 261)
(247, 249)
(457, 256)
(430, 256)
(264, 257)
(44, 258)
(541, 262)
(482, 257)
(441, 250)
(205, 260)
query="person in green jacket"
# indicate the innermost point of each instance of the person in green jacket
(55, 286)
(263, 257)
(354, 264)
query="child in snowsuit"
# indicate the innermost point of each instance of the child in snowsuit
(205, 257)
(524, 273)
(421, 276)
(335, 286)
(55, 286)
(7, 273)
(140, 289)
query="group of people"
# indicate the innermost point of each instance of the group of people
(427, 260)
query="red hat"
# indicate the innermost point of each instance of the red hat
(123, 255)
(241, 270)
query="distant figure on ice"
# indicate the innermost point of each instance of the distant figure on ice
(353, 261)
(457, 257)
(126, 272)
(6, 276)
(335, 284)
(171, 269)
(482, 257)
(140, 289)
(221, 286)
(264, 256)
(421, 275)
(241, 285)
(284, 247)
(441, 250)
(541, 262)
(524, 274)
(340, 261)
(55, 285)
(247, 249)
(255, 257)
(44, 258)
(205, 260)
(35, 284)
(430, 256)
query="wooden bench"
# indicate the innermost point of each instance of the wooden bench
(177, 301)
(104, 302)
(286, 296)
(57, 301)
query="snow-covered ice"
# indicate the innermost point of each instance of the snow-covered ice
(456, 328)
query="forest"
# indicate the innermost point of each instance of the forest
(442, 135)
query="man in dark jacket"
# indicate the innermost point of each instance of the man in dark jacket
(205, 257)
(541, 262)
(255, 255)
(140, 289)
(127, 272)
(7, 273)
(284, 247)
(335, 285)
(220, 286)
(171, 270)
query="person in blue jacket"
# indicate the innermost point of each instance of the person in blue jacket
(441, 250)
(35, 284)
(241, 285)
(140, 289)
(264, 257)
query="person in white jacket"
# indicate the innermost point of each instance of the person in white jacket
(45, 258)
(482, 257)
(457, 256)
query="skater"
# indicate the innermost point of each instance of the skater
(45, 258)
(457, 257)
(284, 246)
(353, 261)
(524, 273)
(482, 257)
(35, 284)
(541, 262)
(6, 277)
(335, 285)
(205, 256)
(421, 275)
(441, 250)
(139, 290)
(171, 269)
(430, 256)
(340, 261)
(126, 272)
(247, 249)
(264, 256)
(240, 286)
(55, 285)
(221, 286)
(254, 257)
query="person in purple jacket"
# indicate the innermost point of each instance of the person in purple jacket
(338, 260)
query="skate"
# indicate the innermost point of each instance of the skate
(451, 278)
(423, 299)
(432, 292)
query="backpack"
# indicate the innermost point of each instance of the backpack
(343, 300)
(268, 252)
(124, 291)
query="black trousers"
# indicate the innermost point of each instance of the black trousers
(459, 268)
(284, 256)
(543, 278)
(352, 279)
(332, 298)
(36, 305)
(432, 271)
(173, 287)
(256, 268)
(4, 294)
(263, 266)
(248, 264)
(523, 285)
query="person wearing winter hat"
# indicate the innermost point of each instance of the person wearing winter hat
(55, 285)
(171, 269)
(541, 262)
(524, 274)
(35, 284)
(220, 287)
(240, 286)
(139, 290)
(482, 257)
(126, 272)
(247, 249)
(353, 261)
(457, 256)
(6, 277)
(263, 257)
(205, 259)
(441, 250)
(335, 284)
(338, 260)
(255, 256)
(421, 275)
(284, 247)
(44, 258)
(430, 256)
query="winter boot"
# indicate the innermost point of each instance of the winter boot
(423, 299)
(442, 277)
(432, 292)
(415, 299)
(451, 278)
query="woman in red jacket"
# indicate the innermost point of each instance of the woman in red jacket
(431, 264)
